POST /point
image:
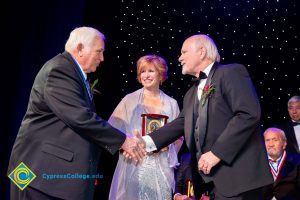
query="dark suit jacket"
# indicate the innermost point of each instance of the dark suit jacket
(287, 184)
(229, 127)
(292, 145)
(61, 132)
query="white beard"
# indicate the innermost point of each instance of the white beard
(184, 71)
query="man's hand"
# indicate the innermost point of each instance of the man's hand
(207, 161)
(182, 197)
(141, 142)
(134, 147)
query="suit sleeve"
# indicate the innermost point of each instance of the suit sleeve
(240, 95)
(64, 94)
(169, 132)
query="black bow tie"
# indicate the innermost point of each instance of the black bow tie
(202, 75)
(295, 123)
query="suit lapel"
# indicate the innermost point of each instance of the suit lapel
(74, 65)
(285, 170)
(203, 110)
(189, 117)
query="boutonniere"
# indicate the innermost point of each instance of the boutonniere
(93, 89)
(207, 91)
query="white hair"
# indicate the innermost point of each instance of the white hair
(276, 130)
(83, 35)
(294, 99)
(202, 40)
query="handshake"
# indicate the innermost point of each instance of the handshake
(134, 147)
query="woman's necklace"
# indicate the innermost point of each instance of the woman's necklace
(151, 107)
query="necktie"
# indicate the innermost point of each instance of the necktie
(87, 85)
(296, 123)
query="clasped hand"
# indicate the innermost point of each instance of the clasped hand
(207, 161)
(134, 147)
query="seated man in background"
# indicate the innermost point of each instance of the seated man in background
(284, 166)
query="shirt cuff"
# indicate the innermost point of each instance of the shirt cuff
(150, 146)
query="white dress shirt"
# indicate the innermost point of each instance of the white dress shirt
(297, 134)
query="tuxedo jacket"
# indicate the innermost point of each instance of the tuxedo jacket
(287, 184)
(292, 144)
(228, 126)
(61, 133)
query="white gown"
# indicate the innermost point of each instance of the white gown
(152, 179)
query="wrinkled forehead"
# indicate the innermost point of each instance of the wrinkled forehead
(294, 104)
(273, 135)
(187, 44)
(99, 43)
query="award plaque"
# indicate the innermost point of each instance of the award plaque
(152, 122)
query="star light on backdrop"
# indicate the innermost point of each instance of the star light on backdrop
(262, 35)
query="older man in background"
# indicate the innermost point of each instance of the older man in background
(284, 166)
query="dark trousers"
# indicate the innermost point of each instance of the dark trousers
(28, 193)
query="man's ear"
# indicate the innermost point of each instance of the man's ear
(79, 48)
(202, 52)
(284, 145)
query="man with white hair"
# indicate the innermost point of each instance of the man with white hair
(61, 136)
(285, 168)
(220, 122)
